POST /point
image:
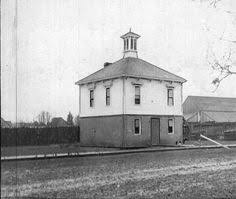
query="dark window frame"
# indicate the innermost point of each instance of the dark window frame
(137, 97)
(171, 128)
(91, 98)
(170, 99)
(137, 128)
(108, 96)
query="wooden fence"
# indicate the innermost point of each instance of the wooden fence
(218, 131)
(39, 136)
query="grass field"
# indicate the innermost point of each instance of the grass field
(176, 174)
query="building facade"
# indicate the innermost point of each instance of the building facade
(130, 103)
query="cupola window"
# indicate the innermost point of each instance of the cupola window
(132, 43)
(135, 44)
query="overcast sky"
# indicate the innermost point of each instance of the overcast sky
(62, 41)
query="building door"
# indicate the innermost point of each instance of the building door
(155, 131)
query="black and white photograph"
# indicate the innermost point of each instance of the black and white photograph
(125, 99)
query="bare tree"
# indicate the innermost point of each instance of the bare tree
(211, 2)
(225, 65)
(44, 118)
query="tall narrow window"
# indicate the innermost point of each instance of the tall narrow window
(127, 44)
(107, 96)
(124, 44)
(135, 44)
(137, 95)
(131, 43)
(91, 98)
(170, 96)
(137, 126)
(170, 125)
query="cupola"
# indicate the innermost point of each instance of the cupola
(130, 44)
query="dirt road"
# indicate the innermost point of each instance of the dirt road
(179, 174)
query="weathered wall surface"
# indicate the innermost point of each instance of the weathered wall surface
(103, 131)
(100, 107)
(153, 98)
(108, 131)
(168, 138)
(132, 140)
(103, 125)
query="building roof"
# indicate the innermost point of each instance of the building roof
(202, 103)
(130, 34)
(131, 67)
(58, 122)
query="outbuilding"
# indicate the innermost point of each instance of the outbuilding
(209, 109)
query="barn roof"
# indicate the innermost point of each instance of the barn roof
(202, 103)
(131, 67)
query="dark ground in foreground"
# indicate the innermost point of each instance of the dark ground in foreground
(174, 174)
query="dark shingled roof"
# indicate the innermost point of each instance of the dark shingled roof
(131, 67)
